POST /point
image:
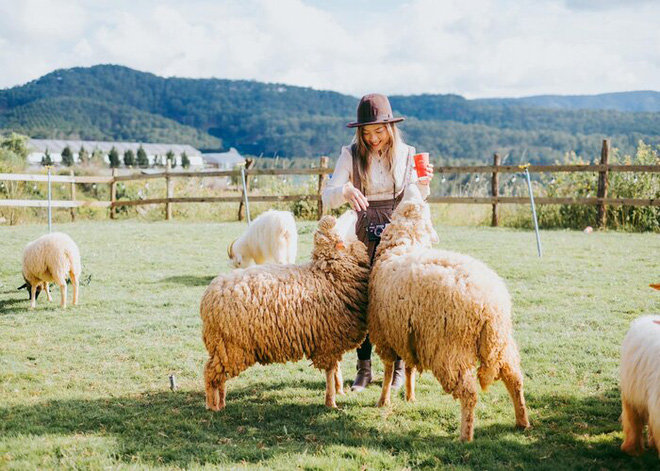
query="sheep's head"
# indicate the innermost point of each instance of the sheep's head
(235, 258)
(329, 245)
(411, 223)
(27, 286)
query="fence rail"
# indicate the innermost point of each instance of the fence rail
(601, 200)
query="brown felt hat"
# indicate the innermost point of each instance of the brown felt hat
(374, 109)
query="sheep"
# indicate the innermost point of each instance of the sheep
(271, 238)
(51, 258)
(346, 226)
(640, 384)
(278, 313)
(440, 311)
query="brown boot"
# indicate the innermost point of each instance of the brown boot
(363, 377)
(399, 375)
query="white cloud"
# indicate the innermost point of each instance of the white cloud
(476, 48)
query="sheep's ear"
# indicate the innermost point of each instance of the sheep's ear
(230, 251)
(326, 224)
(655, 286)
(23, 286)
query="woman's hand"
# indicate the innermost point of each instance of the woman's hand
(355, 197)
(426, 180)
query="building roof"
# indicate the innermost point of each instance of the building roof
(56, 146)
(230, 157)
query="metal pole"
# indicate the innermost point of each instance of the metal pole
(50, 212)
(531, 199)
(245, 196)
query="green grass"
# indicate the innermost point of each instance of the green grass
(87, 387)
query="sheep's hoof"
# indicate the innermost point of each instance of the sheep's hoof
(341, 392)
(383, 402)
(411, 398)
(331, 404)
(632, 449)
(524, 426)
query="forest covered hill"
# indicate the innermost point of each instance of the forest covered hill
(109, 102)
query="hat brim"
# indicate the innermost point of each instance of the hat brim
(357, 124)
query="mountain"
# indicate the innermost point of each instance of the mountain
(111, 102)
(623, 101)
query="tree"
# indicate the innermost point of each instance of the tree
(113, 157)
(171, 157)
(46, 159)
(67, 157)
(16, 143)
(129, 158)
(83, 156)
(142, 159)
(185, 161)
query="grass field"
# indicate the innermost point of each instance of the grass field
(87, 387)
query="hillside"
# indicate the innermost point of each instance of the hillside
(114, 102)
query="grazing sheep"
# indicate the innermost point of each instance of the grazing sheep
(440, 311)
(278, 313)
(271, 238)
(640, 384)
(51, 259)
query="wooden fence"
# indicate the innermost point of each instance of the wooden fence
(601, 200)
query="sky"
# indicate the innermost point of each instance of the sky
(473, 48)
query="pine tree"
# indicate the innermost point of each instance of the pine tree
(67, 157)
(83, 156)
(113, 157)
(129, 158)
(171, 157)
(142, 159)
(185, 161)
(46, 159)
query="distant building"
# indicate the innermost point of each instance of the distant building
(224, 160)
(155, 152)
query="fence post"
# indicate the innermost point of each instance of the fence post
(322, 179)
(603, 183)
(241, 208)
(169, 190)
(495, 189)
(113, 193)
(73, 197)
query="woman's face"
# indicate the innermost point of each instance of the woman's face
(375, 136)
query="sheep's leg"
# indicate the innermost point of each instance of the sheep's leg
(339, 381)
(216, 385)
(386, 392)
(74, 282)
(410, 383)
(513, 380)
(63, 294)
(466, 391)
(47, 288)
(632, 429)
(33, 296)
(330, 377)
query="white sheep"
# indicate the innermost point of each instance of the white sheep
(345, 226)
(440, 311)
(640, 384)
(51, 259)
(271, 238)
(278, 313)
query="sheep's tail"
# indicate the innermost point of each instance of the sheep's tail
(492, 345)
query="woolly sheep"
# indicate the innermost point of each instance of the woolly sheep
(271, 238)
(51, 259)
(278, 313)
(640, 384)
(440, 311)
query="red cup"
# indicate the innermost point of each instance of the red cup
(421, 162)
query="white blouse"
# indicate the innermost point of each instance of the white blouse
(380, 187)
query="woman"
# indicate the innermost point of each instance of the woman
(371, 175)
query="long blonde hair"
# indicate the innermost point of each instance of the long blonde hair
(361, 152)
